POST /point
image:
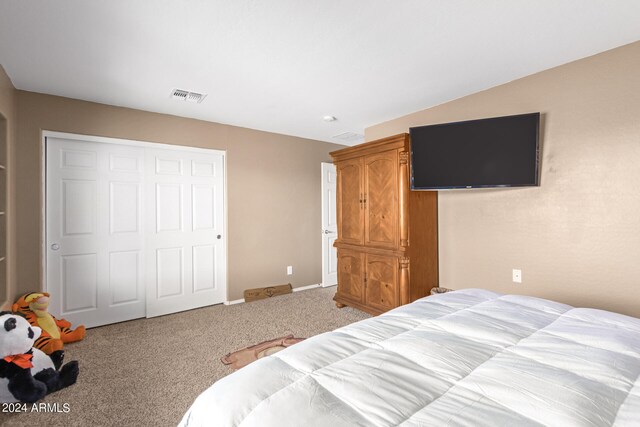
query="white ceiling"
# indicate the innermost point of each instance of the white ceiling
(282, 65)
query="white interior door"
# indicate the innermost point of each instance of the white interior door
(94, 237)
(185, 242)
(329, 226)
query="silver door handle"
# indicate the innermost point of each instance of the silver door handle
(55, 247)
(327, 232)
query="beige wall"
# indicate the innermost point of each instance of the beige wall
(8, 111)
(577, 236)
(273, 184)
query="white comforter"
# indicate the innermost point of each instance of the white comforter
(469, 357)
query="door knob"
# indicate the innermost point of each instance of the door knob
(55, 247)
(327, 232)
(218, 237)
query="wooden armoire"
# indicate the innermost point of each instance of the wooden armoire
(387, 235)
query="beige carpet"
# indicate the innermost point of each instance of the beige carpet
(148, 372)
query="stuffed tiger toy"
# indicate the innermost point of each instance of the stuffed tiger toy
(55, 332)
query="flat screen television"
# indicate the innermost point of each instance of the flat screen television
(495, 152)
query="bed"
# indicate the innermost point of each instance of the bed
(470, 357)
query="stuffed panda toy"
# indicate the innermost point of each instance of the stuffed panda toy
(26, 373)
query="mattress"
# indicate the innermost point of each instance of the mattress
(470, 357)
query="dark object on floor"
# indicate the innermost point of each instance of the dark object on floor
(268, 292)
(438, 290)
(242, 358)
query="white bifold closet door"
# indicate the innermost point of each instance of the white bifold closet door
(132, 231)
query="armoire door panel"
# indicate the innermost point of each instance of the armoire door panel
(381, 200)
(382, 282)
(351, 275)
(349, 203)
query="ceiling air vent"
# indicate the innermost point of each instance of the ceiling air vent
(185, 95)
(349, 137)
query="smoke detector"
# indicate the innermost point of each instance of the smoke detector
(329, 118)
(185, 95)
(349, 137)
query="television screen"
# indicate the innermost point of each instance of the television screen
(495, 152)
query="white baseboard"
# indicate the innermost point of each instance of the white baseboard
(301, 288)
(306, 288)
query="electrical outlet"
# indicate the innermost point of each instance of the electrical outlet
(517, 276)
(289, 270)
